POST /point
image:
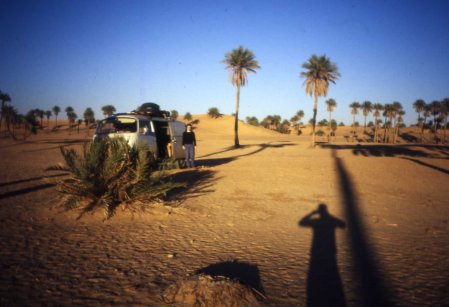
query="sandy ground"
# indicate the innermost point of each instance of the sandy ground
(245, 214)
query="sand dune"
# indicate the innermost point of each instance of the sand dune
(243, 204)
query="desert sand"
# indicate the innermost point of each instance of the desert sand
(244, 214)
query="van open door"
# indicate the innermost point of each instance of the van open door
(177, 128)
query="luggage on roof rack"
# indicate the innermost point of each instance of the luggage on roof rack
(152, 109)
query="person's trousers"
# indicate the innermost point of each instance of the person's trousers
(190, 155)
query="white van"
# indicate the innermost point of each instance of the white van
(163, 136)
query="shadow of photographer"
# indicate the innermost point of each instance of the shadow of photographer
(324, 285)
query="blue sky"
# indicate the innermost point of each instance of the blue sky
(93, 53)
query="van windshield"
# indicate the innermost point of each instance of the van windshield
(117, 125)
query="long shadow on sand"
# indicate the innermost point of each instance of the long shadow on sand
(245, 273)
(26, 190)
(374, 287)
(197, 183)
(29, 179)
(405, 151)
(220, 161)
(324, 286)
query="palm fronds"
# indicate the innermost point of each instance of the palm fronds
(108, 173)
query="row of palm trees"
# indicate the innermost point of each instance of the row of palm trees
(10, 114)
(438, 109)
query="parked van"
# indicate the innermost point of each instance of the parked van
(162, 135)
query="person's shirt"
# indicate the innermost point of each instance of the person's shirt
(188, 138)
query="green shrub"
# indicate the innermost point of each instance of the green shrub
(214, 113)
(174, 114)
(107, 174)
(188, 116)
(320, 133)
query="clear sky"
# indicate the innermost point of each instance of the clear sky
(124, 53)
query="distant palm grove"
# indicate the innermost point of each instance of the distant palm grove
(382, 122)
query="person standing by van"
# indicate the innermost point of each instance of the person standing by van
(189, 144)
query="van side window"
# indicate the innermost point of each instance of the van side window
(145, 127)
(125, 125)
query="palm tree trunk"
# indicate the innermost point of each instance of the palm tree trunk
(444, 130)
(315, 107)
(330, 127)
(353, 128)
(236, 122)
(375, 130)
(56, 123)
(364, 129)
(422, 129)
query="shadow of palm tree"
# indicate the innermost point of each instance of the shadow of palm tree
(197, 183)
(245, 273)
(324, 286)
(374, 289)
(220, 161)
(26, 190)
(29, 179)
(409, 150)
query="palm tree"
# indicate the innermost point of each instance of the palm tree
(300, 114)
(444, 112)
(400, 113)
(108, 110)
(388, 114)
(419, 106)
(5, 98)
(366, 107)
(69, 111)
(40, 113)
(355, 106)
(89, 116)
(331, 104)
(435, 109)
(319, 72)
(48, 115)
(377, 107)
(56, 110)
(239, 62)
(426, 114)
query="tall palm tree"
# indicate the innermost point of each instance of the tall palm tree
(366, 108)
(444, 112)
(331, 104)
(435, 109)
(239, 62)
(399, 113)
(48, 114)
(70, 111)
(319, 71)
(426, 114)
(5, 98)
(419, 106)
(40, 113)
(300, 114)
(56, 110)
(89, 116)
(388, 114)
(355, 106)
(377, 107)
(108, 110)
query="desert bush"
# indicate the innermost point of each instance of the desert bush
(174, 114)
(109, 173)
(188, 116)
(214, 113)
(320, 133)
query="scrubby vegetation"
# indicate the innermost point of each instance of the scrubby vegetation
(109, 173)
(214, 112)
(188, 116)
(174, 114)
